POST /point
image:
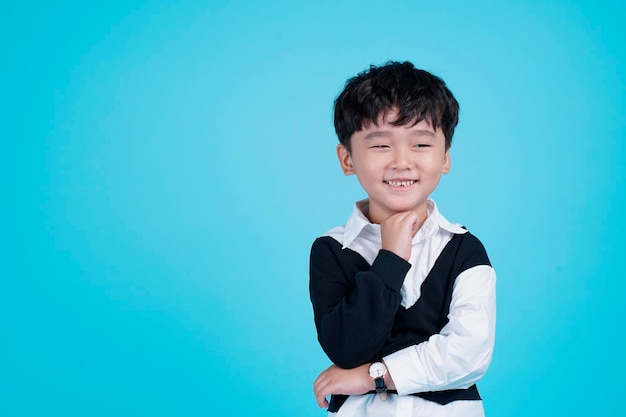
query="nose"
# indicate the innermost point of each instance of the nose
(401, 159)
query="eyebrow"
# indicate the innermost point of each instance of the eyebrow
(377, 134)
(423, 132)
(385, 133)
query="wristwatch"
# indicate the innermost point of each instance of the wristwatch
(378, 370)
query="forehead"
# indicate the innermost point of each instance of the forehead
(390, 117)
(387, 123)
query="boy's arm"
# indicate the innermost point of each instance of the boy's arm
(336, 380)
(354, 317)
(460, 354)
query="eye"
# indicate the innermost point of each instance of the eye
(421, 145)
(379, 146)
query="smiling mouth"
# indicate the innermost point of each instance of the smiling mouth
(394, 183)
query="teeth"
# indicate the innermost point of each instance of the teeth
(400, 183)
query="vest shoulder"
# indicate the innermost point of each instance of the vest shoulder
(470, 250)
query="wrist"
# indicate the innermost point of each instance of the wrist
(367, 380)
(377, 372)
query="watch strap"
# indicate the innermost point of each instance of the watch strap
(380, 385)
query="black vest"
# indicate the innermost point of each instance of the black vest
(430, 313)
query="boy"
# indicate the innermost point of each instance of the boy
(404, 301)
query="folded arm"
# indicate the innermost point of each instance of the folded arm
(460, 354)
(354, 305)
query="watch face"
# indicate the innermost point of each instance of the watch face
(377, 370)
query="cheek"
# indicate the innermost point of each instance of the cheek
(367, 173)
(367, 166)
(436, 163)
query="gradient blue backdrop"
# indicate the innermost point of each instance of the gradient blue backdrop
(166, 165)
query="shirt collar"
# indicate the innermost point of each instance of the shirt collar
(358, 223)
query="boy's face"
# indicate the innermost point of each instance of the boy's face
(398, 166)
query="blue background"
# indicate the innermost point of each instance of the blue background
(166, 165)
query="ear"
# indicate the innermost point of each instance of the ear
(345, 160)
(446, 162)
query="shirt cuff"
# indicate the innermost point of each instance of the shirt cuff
(406, 378)
(390, 268)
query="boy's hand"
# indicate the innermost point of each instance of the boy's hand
(336, 380)
(397, 233)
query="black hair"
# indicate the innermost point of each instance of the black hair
(415, 93)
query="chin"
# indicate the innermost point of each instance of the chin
(401, 208)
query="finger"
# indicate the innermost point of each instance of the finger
(320, 398)
(401, 219)
(414, 228)
(320, 391)
(322, 402)
(412, 222)
(320, 381)
(409, 216)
